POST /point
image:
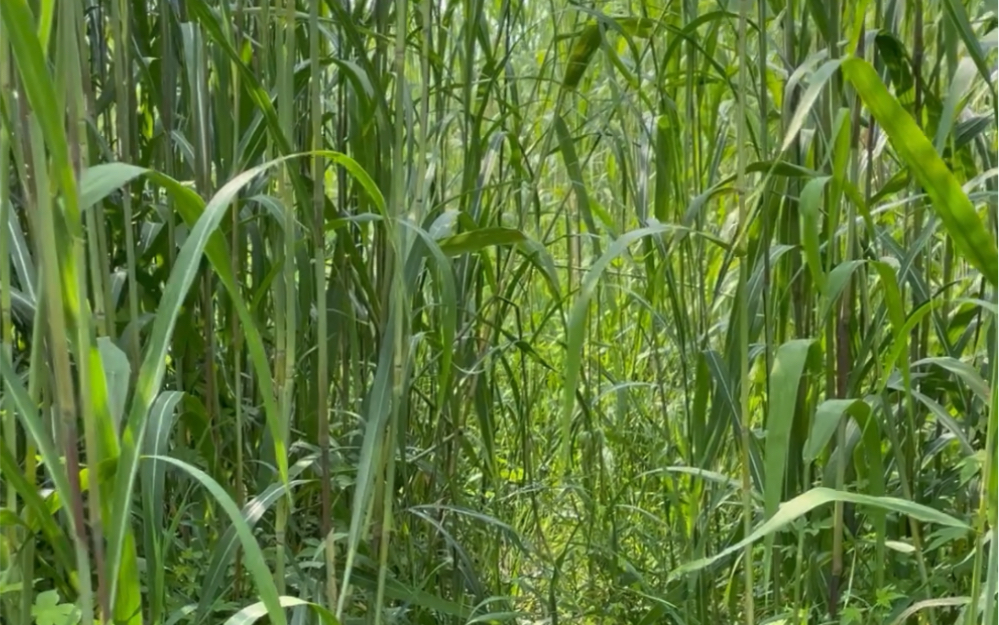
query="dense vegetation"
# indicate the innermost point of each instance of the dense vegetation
(673, 311)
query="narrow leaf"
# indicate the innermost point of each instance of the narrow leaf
(946, 195)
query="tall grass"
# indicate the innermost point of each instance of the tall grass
(331, 312)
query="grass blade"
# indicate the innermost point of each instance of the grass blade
(949, 200)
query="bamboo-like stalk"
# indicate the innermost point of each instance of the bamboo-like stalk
(123, 126)
(9, 425)
(316, 47)
(745, 420)
(238, 254)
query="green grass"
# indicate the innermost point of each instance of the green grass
(662, 312)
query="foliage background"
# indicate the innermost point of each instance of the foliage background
(469, 311)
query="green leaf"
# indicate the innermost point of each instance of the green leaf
(899, 65)
(40, 514)
(946, 420)
(942, 602)
(785, 378)
(827, 417)
(255, 561)
(958, 14)
(251, 613)
(97, 182)
(963, 79)
(836, 281)
(27, 414)
(781, 168)
(571, 158)
(476, 240)
(962, 371)
(808, 501)
(497, 617)
(949, 200)
(153, 478)
(811, 228)
(48, 610)
(808, 99)
(116, 372)
(587, 42)
(225, 548)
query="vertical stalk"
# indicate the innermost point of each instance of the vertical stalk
(397, 326)
(10, 434)
(286, 99)
(168, 88)
(74, 282)
(58, 342)
(6, 322)
(82, 90)
(743, 321)
(123, 106)
(986, 515)
(770, 198)
(319, 266)
(235, 331)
